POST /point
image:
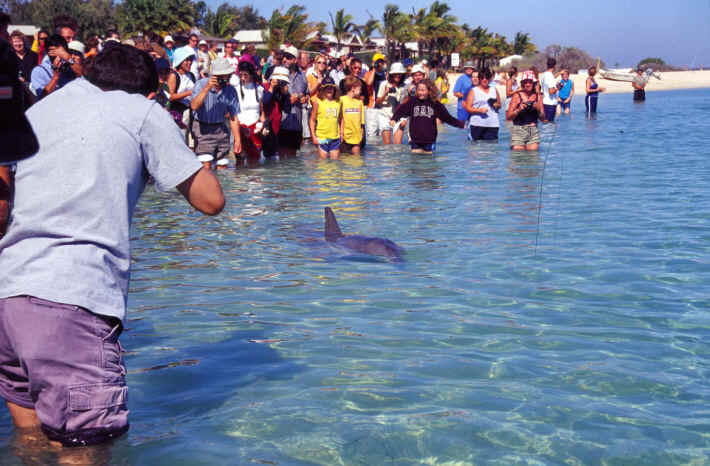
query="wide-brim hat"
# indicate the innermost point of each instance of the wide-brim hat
(182, 54)
(167, 39)
(280, 73)
(418, 69)
(76, 46)
(291, 50)
(397, 68)
(221, 67)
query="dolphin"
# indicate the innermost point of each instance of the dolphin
(362, 244)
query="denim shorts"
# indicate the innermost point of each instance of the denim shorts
(327, 145)
(424, 147)
(65, 363)
(563, 105)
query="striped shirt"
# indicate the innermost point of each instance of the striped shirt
(216, 105)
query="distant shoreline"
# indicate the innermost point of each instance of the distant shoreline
(670, 81)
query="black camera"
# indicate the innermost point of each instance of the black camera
(529, 104)
(223, 82)
(492, 102)
(65, 67)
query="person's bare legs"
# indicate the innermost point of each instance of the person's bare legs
(387, 137)
(23, 417)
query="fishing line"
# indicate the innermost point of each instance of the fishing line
(542, 181)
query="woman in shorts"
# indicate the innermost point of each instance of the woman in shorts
(483, 103)
(524, 110)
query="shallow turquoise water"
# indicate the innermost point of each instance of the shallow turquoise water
(552, 307)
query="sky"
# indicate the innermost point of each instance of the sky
(618, 31)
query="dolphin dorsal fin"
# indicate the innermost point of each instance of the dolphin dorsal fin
(332, 230)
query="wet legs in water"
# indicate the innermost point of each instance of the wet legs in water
(590, 102)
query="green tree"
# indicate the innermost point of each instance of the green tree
(292, 27)
(160, 16)
(366, 30)
(397, 29)
(522, 44)
(93, 16)
(341, 24)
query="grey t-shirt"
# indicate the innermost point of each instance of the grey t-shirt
(68, 236)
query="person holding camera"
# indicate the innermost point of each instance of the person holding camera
(66, 254)
(275, 98)
(390, 94)
(56, 69)
(213, 101)
(524, 110)
(483, 103)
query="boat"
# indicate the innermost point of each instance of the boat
(626, 76)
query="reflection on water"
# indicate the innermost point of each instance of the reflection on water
(552, 308)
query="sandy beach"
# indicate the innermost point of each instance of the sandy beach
(670, 81)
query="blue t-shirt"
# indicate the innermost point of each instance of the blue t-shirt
(216, 104)
(463, 85)
(293, 113)
(68, 236)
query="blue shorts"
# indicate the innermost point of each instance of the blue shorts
(327, 145)
(424, 147)
(563, 105)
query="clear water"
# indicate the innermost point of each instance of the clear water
(552, 308)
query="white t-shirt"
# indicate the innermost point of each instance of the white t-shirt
(249, 103)
(186, 84)
(548, 82)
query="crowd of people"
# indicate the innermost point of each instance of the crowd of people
(230, 100)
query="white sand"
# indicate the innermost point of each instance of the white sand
(670, 80)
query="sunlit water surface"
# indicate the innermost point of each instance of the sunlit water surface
(552, 307)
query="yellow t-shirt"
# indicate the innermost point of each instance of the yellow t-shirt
(327, 119)
(353, 119)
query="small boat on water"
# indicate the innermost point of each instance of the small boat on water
(627, 76)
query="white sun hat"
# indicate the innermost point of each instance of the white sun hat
(280, 73)
(397, 68)
(221, 67)
(417, 69)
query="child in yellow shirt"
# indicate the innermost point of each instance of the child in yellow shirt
(353, 112)
(325, 120)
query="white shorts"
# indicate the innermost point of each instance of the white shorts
(371, 123)
(383, 122)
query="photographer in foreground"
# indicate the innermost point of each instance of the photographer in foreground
(525, 109)
(66, 254)
(214, 102)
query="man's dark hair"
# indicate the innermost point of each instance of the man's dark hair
(65, 21)
(355, 60)
(485, 73)
(4, 19)
(55, 40)
(551, 62)
(111, 32)
(195, 36)
(123, 68)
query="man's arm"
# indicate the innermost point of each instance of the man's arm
(198, 98)
(203, 192)
(5, 197)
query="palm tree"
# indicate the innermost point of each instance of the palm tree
(292, 27)
(341, 24)
(365, 30)
(522, 44)
(395, 26)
